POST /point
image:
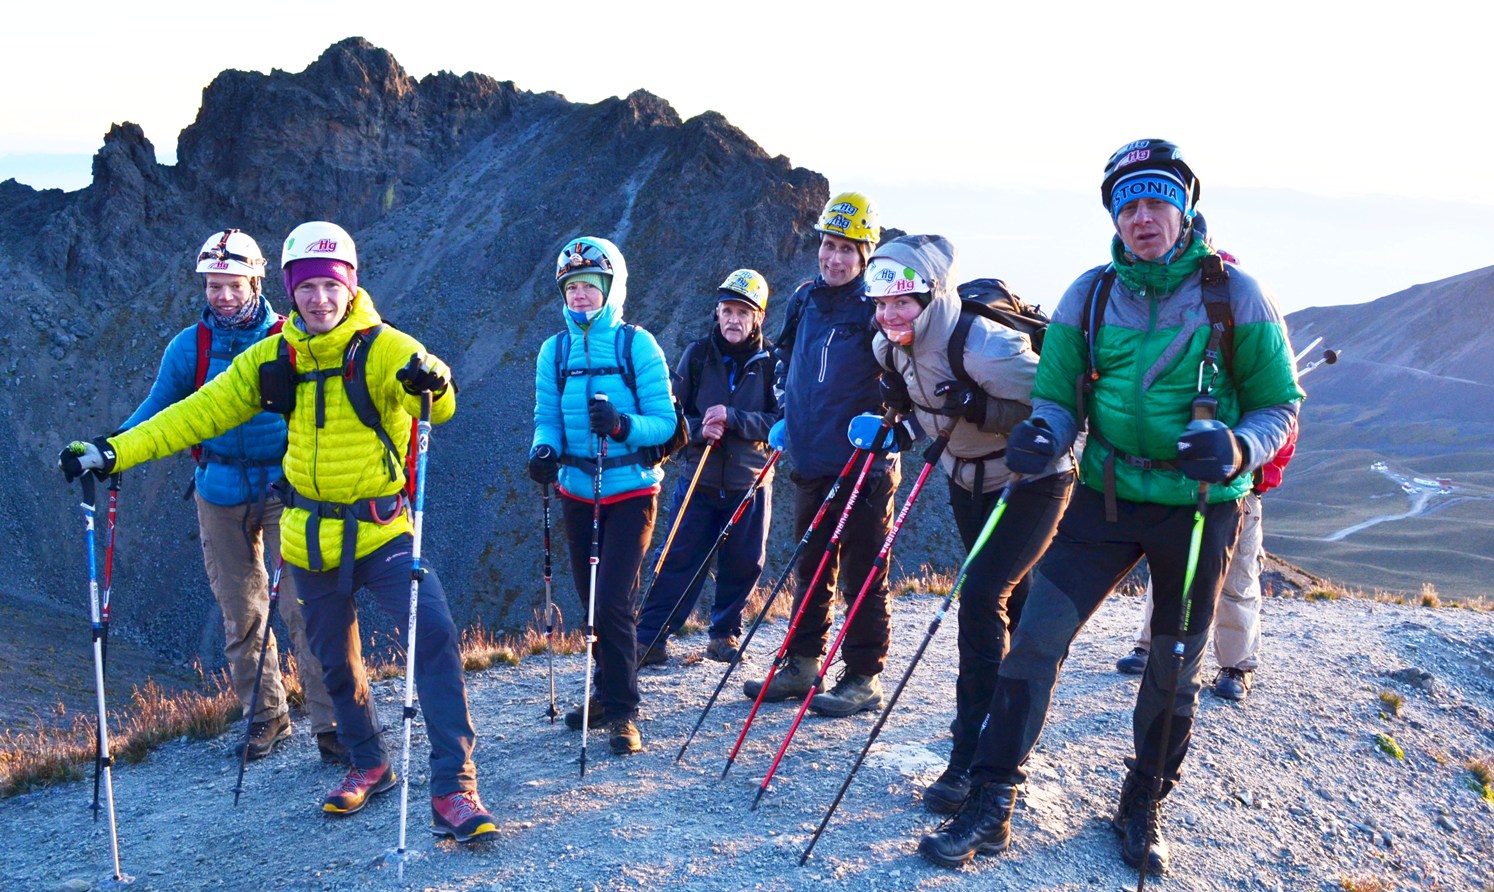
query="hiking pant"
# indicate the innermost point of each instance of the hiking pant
(865, 646)
(739, 561)
(1237, 620)
(1086, 561)
(623, 534)
(995, 589)
(332, 627)
(235, 542)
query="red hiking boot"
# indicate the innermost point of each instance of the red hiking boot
(460, 815)
(359, 784)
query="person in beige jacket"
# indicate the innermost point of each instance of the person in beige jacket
(912, 279)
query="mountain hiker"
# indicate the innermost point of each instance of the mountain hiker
(578, 438)
(725, 381)
(238, 511)
(350, 386)
(979, 400)
(830, 376)
(1181, 367)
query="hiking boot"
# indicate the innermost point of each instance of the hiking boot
(982, 826)
(1133, 663)
(598, 717)
(359, 784)
(657, 655)
(851, 694)
(331, 749)
(1233, 684)
(460, 815)
(723, 650)
(945, 795)
(1138, 821)
(623, 737)
(794, 678)
(265, 736)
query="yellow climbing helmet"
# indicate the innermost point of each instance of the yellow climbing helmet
(747, 286)
(851, 215)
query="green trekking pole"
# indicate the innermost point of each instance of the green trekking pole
(954, 592)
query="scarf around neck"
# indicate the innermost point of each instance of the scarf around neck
(1147, 278)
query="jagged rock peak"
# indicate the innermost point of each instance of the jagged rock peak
(650, 110)
(355, 62)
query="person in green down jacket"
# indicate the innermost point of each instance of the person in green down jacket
(1180, 365)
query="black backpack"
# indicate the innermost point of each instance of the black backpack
(991, 299)
(651, 456)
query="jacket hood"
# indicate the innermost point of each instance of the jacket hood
(935, 259)
(617, 293)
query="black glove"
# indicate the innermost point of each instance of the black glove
(905, 433)
(606, 421)
(968, 401)
(1208, 452)
(79, 457)
(544, 465)
(423, 374)
(895, 394)
(1030, 447)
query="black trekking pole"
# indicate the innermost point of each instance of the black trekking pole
(931, 458)
(550, 610)
(980, 543)
(105, 761)
(259, 674)
(591, 601)
(700, 571)
(674, 527)
(762, 614)
(417, 574)
(98, 744)
(1195, 545)
(788, 637)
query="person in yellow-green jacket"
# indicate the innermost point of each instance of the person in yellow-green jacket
(346, 525)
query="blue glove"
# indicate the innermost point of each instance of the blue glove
(778, 435)
(862, 432)
(1030, 447)
(1208, 452)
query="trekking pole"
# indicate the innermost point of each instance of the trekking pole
(769, 601)
(980, 543)
(549, 610)
(98, 749)
(931, 457)
(674, 527)
(259, 674)
(591, 601)
(830, 546)
(417, 573)
(1329, 357)
(1195, 545)
(104, 761)
(700, 571)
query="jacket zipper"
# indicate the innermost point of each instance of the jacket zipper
(825, 355)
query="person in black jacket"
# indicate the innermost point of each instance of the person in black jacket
(725, 383)
(830, 377)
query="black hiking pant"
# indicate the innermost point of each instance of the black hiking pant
(1087, 560)
(623, 534)
(865, 647)
(995, 589)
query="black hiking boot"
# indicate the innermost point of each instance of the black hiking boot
(982, 826)
(1133, 663)
(265, 736)
(1138, 820)
(598, 717)
(1233, 684)
(945, 795)
(794, 678)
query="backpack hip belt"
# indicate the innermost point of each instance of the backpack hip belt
(381, 510)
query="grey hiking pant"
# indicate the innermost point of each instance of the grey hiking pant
(1086, 561)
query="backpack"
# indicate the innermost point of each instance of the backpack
(205, 354)
(991, 299)
(649, 456)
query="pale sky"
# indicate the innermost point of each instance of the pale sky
(1341, 146)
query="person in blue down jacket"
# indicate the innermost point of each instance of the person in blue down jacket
(592, 357)
(238, 513)
(725, 382)
(831, 376)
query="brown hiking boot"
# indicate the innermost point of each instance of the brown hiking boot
(265, 736)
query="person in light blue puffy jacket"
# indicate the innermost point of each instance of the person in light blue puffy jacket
(574, 430)
(238, 513)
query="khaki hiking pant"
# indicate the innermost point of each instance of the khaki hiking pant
(1237, 618)
(235, 542)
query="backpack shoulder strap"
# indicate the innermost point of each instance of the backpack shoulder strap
(1215, 281)
(562, 356)
(790, 332)
(204, 353)
(957, 341)
(1093, 315)
(355, 385)
(695, 362)
(625, 360)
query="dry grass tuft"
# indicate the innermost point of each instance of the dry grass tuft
(1393, 702)
(927, 581)
(1366, 884)
(1481, 777)
(1324, 593)
(1429, 597)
